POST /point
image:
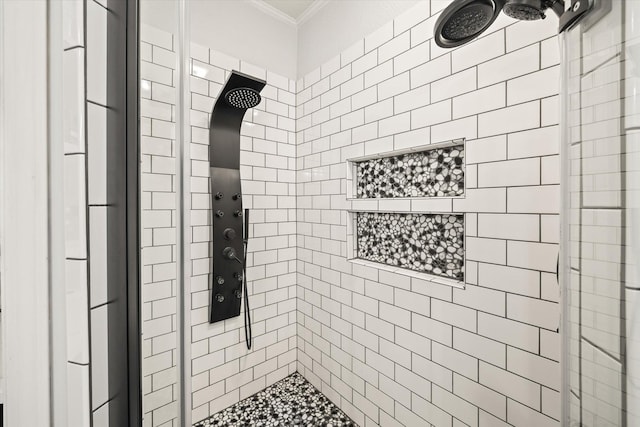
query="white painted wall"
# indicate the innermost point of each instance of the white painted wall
(339, 24)
(161, 14)
(234, 27)
(239, 29)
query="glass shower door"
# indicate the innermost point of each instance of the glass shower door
(160, 47)
(600, 200)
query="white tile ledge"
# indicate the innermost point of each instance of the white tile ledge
(419, 199)
(416, 149)
(400, 211)
(409, 273)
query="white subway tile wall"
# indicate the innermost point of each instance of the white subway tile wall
(76, 210)
(158, 227)
(632, 198)
(394, 350)
(84, 132)
(95, 112)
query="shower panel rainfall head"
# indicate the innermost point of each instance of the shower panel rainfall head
(243, 97)
(464, 20)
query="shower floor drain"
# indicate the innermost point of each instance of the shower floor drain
(291, 402)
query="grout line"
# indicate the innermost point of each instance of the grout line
(87, 210)
(67, 49)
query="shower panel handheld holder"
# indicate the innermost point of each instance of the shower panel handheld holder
(229, 237)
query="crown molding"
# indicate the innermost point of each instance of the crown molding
(281, 16)
(312, 10)
(273, 12)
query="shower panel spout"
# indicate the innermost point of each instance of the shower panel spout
(229, 236)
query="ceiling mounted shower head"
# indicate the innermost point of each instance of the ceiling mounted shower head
(464, 20)
(242, 97)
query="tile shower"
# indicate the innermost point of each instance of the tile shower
(438, 237)
(404, 229)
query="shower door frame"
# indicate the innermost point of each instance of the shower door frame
(123, 192)
(134, 329)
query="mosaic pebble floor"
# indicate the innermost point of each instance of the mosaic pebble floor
(291, 402)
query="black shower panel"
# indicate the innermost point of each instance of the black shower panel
(239, 93)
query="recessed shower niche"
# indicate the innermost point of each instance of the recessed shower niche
(432, 172)
(402, 216)
(427, 243)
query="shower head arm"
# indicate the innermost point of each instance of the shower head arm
(578, 9)
(556, 5)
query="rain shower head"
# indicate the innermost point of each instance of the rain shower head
(464, 20)
(243, 97)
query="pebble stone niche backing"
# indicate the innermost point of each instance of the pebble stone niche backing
(291, 402)
(431, 173)
(428, 243)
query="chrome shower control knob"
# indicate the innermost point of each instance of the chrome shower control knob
(238, 213)
(220, 280)
(220, 298)
(229, 252)
(219, 213)
(229, 233)
(238, 294)
(237, 196)
(219, 195)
